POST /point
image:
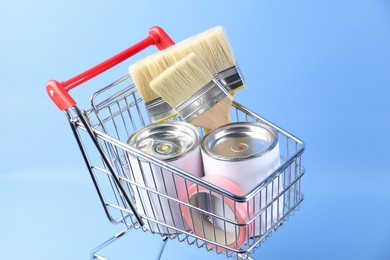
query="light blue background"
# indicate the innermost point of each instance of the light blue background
(319, 69)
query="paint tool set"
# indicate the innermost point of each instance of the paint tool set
(170, 152)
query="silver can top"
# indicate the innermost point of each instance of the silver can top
(166, 140)
(239, 141)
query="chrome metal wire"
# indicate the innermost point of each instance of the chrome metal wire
(116, 112)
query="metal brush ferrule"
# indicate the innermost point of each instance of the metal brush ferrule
(201, 100)
(231, 78)
(158, 109)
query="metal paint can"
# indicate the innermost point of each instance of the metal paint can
(178, 144)
(247, 153)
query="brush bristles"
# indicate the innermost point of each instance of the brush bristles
(141, 77)
(216, 50)
(145, 70)
(211, 47)
(181, 80)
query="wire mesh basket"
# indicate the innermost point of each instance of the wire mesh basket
(154, 202)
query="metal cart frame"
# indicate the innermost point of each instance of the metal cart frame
(101, 132)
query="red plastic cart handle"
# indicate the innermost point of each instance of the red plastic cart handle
(58, 92)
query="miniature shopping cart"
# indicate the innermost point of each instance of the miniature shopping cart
(102, 130)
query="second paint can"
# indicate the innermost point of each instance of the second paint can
(247, 154)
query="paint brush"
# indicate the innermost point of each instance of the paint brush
(212, 47)
(142, 73)
(190, 88)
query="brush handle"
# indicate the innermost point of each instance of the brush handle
(58, 91)
(216, 116)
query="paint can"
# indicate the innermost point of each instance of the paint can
(178, 144)
(247, 153)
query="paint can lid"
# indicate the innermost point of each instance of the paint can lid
(239, 141)
(166, 140)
